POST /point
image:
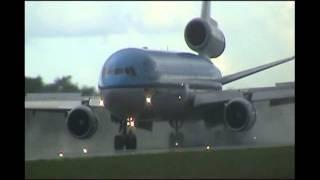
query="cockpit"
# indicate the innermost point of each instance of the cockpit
(125, 67)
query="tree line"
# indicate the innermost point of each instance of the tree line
(63, 84)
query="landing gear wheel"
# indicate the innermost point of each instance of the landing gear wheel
(126, 139)
(176, 139)
(131, 141)
(119, 142)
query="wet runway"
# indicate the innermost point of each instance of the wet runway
(46, 134)
(166, 150)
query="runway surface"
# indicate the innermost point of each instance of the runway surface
(159, 151)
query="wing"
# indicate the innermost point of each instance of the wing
(47, 105)
(51, 106)
(276, 95)
(52, 101)
(60, 105)
(242, 74)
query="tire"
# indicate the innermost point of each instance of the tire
(131, 141)
(119, 142)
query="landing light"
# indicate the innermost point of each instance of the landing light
(101, 103)
(84, 150)
(148, 100)
(177, 143)
(208, 148)
(179, 97)
(254, 138)
(60, 154)
(130, 122)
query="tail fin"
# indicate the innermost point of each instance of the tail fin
(205, 12)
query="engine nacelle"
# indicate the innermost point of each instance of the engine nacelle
(204, 37)
(239, 115)
(81, 122)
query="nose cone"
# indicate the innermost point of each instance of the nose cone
(124, 101)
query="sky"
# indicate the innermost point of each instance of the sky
(76, 38)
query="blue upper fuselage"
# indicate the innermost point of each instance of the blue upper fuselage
(146, 68)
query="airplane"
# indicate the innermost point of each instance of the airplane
(142, 86)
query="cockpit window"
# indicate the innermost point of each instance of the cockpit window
(117, 71)
(130, 71)
(109, 71)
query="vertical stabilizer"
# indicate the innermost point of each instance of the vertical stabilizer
(205, 12)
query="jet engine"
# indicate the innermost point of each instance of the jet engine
(81, 122)
(204, 37)
(239, 115)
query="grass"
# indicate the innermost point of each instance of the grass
(273, 162)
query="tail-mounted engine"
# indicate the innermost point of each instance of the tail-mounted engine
(204, 37)
(81, 122)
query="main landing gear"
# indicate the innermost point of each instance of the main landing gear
(176, 138)
(126, 138)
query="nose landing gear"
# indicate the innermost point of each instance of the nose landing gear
(126, 139)
(176, 138)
